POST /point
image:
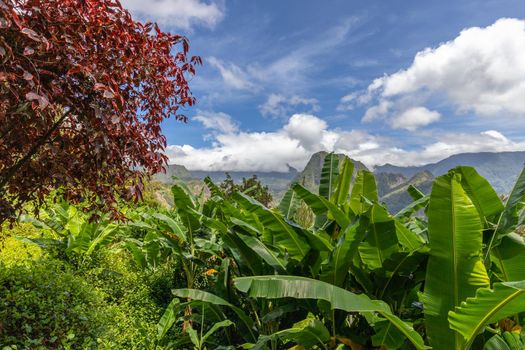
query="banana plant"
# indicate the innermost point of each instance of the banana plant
(460, 300)
(70, 233)
(180, 234)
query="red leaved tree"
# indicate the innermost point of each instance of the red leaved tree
(83, 91)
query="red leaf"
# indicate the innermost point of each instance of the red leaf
(28, 76)
(31, 34)
(28, 51)
(108, 94)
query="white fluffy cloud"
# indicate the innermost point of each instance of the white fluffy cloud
(278, 105)
(414, 117)
(480, 71)
(182, 14)
(232, 75)
(304, 134)
(217, 121)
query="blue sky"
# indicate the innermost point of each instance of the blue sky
(402, 82)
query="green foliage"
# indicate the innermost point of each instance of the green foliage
(44, 305)
(15, 252)
(251, 187)
(324, 270)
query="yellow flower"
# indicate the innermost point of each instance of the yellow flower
(210, 272)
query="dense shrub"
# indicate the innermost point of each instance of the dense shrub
(12, 250)
(136, 298)
(43, 305)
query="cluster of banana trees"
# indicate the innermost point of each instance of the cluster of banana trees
(447, 272)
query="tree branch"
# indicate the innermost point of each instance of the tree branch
(41, 141)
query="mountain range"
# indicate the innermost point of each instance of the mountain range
(500, 169)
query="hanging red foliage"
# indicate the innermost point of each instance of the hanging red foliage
(83, 91)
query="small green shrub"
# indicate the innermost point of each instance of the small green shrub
(12, 250)
(45, 306)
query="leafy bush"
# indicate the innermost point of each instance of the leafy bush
(136, 298)
(12, 250)
(43, 305)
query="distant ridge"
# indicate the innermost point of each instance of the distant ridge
(501, 169)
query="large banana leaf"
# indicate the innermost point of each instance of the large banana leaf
(321, 207)
(342, 190)
(269, 256)
(182, 196)
(364, 188)
(509, 258)
(381, 241)
(275, 287)
(488, 306)
(102, 237)
(336, 270)
(408, 238)
(455, 269)
(480, 192)
(510, 216)
(282, 233)
(171, 224)
(214, 189)
(289, 204)
(168, 318)
(413, 207)
(312, 200)
(329, 175)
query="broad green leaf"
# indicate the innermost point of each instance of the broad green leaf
(509, 217)
(242, 253)
(381, 240)
(283, 234)
(455, 269)
(387, 335)
(329, 175)
(289, 204)
(306, 334)
(194, 336)
(312, 200)
(415, 192)
(274, 287)
(182, 197)
(488, 306)
(496, 343)
(168, 319)
(509, 258)
(480, 192)
(408, 238)
(413, 207)
(343, 184)
(104, 237)
(264, 252)
(336, 270)
(172, 224)
(321, 206)
(319, 240)
(214, 189)
(364, 187)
